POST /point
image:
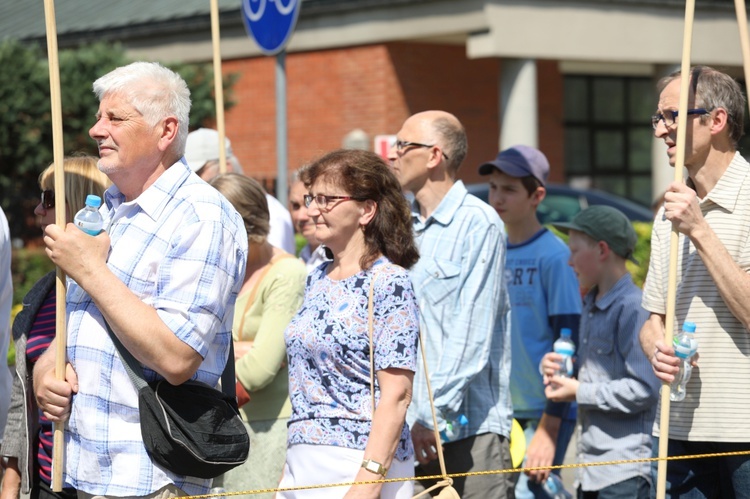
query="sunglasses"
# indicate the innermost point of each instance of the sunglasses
(48, 199)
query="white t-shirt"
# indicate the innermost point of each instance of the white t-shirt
(282, 230)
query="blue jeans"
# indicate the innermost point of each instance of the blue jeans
(632, 488)
(715, 477)
(532, 490)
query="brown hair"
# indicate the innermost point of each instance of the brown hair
(82, 177)
(364, 175)
(249, 199)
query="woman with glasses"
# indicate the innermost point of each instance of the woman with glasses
(361, 216)
(270, 296)
(28, 434)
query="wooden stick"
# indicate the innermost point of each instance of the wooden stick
(57, 154)
(739, 7)
(218, 86)
(661, 477)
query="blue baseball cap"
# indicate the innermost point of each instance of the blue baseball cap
(519, 161)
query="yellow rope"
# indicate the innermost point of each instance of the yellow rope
(473, 473)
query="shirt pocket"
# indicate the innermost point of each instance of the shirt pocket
(602, 341)
(441, 280)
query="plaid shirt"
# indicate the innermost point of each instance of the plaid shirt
(465, 315)
(182, 249)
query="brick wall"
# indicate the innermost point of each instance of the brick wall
(375, 88)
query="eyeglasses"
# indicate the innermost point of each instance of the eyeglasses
(324, 201)
(48, 199)
(669, 117)
(402, 144)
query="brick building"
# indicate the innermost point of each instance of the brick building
(573, 77)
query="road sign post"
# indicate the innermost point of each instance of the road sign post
(271, 24)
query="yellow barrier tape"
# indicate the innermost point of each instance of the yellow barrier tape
(473, 473)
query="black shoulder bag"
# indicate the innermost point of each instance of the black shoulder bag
(191, 429)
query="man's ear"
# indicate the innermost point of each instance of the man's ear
(719, 120)
(169, 128)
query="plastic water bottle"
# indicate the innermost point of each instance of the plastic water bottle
(218, 492)
(89, 220)
(565, 347)
(685, 346)
(554, 488)
(452, 428)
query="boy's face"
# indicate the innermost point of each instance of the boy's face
(511, 200)
(585, 257)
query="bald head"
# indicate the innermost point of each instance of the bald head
(444, 129)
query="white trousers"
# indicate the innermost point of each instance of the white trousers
(319, 464)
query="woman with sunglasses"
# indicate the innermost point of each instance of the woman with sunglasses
(363, 219)
(28, 434)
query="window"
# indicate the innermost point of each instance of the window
(608, 133)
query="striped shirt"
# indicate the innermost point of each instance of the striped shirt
(40, 336)
(465, 315)
(717, 404)
(618, 389)
(182, 249)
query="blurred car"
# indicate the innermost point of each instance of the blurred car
(562, 203)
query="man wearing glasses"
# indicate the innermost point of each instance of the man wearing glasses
(712, 215)
(464, 310)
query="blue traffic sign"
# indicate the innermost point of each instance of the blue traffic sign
(270, 22)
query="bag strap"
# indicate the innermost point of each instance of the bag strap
(446, 482)
(256, 286)
(135, 371)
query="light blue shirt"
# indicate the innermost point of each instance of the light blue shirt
(182, 249)
(464, 313)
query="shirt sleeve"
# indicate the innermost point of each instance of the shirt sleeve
(396, 328)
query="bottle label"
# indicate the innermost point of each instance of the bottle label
(682, 350)
(90, 228)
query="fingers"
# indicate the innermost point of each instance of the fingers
(53, 395)
(664, 363)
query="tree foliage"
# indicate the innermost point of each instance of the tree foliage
(25, 116)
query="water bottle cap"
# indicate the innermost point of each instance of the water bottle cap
(566, 332)
(463, 420)
(93, 200)
(688, 327)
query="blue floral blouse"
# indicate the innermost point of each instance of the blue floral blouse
(329, 354)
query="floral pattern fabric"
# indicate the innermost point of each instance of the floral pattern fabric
(329, 354)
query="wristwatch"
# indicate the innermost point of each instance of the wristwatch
(374, 467)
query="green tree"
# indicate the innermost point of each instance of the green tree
(25, 116)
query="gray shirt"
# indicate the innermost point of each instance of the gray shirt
(618, 391)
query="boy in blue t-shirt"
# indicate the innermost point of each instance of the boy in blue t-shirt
(545, 298)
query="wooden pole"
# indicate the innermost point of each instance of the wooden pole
(739, 7)
(57, 154)
(218, 86)
(661, 477)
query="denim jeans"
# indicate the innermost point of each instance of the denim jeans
(526, 489)
(632, 488)
(715, 477)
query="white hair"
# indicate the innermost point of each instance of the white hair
(154, 91)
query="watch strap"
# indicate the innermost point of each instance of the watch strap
(374, 467)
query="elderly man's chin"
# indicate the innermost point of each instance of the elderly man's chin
(107, 167)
